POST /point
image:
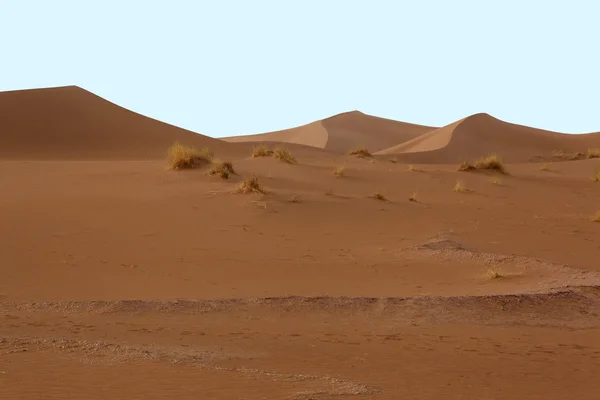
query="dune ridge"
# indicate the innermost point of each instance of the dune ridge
(71, 123)
(343, 132)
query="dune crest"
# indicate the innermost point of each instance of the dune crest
(343, 132)
(72, 123)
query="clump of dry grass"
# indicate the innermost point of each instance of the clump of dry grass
(339, 172)
(545, 167)
(593, 152)
(596, 177)
(596, 217)
(492, 273)
(180, 156)
(414, 197)
(465, 166)
(492, 162)
(459, 187)
(496, 181)
(222, 169)
(284, 155)
(250, 185)
(294, 198)
(361, 152)
(261, 150)
(412, 168)
(379, 196)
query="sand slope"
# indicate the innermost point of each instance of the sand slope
(343, 132)
(72, 123)
(481, 134)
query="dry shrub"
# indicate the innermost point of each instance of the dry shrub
(379, 196)
(338, 172)
(545, 167)
(492, 273)
(465, 166)
(492, 162)
(596, 217)
(261, 150)
(294, 198)
(593, 152)
(180, 156)
(414, 197)
(284, 155)
(222, 169)
(596, 177)
(251, 186)
(459, 187)
(496, 181)
(412, 168)
(361, 152)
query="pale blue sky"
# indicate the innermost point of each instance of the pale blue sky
(225, 67)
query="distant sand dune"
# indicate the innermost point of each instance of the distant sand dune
(72, 123)
(481, 134)
(343, 132)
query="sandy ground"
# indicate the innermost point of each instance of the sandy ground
(122, 279)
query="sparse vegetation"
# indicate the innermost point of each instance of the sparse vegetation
(222, 169)
(496, 181)
(361, 152)
(596, 177)
(180, 156)
(261, 150)
(492, 273)
(251, 186)
(339, 172)
(545, 167)
(492, 162)
(413, 197)
(412, 168)
(379, 196)
(459, 187)
(596, 217)
(593, 152)
(294, 198)
(283, 154)
(465, 166)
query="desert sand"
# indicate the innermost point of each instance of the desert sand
(348, 277)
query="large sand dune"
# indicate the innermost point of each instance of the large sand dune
(72, 123)
(482, 134)
(343, 132)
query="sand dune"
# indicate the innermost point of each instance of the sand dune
(72, 123)
(343, 132)
(481, 134)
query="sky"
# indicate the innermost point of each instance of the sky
(224, 67)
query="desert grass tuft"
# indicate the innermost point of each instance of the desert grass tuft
(596, 217)
(593, 152)
(492, 273)
(496, 181)
(284, 155)
(222, 169)
(459, 187)
(250, 185)
(414, 197)
(294, 198)
(491, 162)
(361, 152)
(465, 166)
(596, 177)
(261, 150)
(379, 196)
(545, 167)
(339, 172)
(180, 156)
(412, 168)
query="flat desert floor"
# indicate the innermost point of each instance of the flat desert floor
(121, 279)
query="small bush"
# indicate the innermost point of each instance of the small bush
(492, 162)
(379, 196)
(459, 187)
(338, 172)
(465, 166)
(596, 217)
(294, 198)
(361, 152)
(250, 186)
(412, 168)
(261, 150)
(545, 167)
(593, 152)
(221, 169)
(180, 156)
(413, 197)
(493, 274)
(596, 177)
(284, 155)
(496, 181)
